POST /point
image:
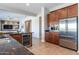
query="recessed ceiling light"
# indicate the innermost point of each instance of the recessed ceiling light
(27, 4)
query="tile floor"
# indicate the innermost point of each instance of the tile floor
(40, 48)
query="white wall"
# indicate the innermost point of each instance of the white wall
(35, 27)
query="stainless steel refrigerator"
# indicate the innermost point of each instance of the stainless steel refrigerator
(68, 33)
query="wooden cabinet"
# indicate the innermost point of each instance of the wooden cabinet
(73, 10)
(52, 18)
(62, 13)
(56, 38)
(66, 12)
(49, 19)
(52, 37)
(18, 37)
(47, 38)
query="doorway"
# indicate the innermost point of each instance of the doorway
(28, 26)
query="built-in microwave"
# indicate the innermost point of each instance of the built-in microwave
(7, 27)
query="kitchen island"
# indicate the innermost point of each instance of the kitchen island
(9, 46)
(23, 38)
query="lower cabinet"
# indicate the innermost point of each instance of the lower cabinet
(47, 38)
(52, 37)
(55, 37)
(18, 37)
(25, 39)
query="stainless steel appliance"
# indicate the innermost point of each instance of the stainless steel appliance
(68, 33)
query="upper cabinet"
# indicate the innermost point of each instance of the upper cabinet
(52, 18)
(73, 10)
(66, 12)
(49, 19)
(62, 13)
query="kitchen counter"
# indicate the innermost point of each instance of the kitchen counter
(9, 46)
(51, 30)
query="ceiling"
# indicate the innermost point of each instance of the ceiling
(10, 15)
(32, 9)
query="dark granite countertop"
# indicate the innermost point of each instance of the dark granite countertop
(9, 46)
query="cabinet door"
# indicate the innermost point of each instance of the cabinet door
(51, 37)
(62, 13)
(47, 39)
(54, 17)
(50, 19)
(73, 10)
(56, 38)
